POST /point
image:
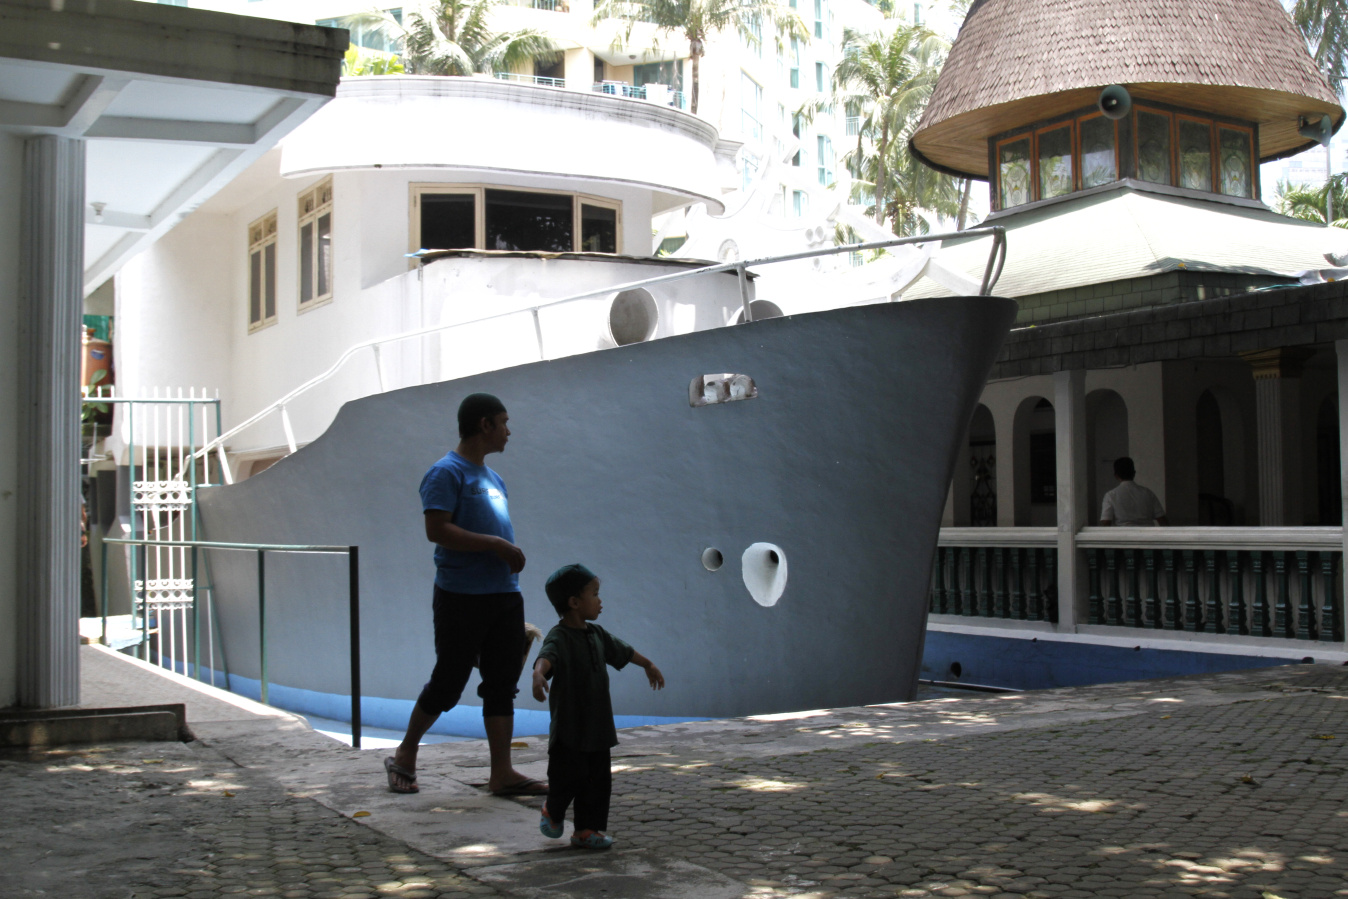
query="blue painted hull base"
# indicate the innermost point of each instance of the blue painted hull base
(1032, 664)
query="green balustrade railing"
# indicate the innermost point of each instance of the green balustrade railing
(1012, 582)
(1296, 594)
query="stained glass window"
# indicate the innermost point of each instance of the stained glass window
(1195, 148)
(1234, 150)
(1098, 163)
(1055, 162)
(1153, 147)
(1013, 172)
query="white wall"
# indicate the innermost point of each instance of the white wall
(173, 306)
(11, 178)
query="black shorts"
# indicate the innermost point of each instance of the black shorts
(485, 630)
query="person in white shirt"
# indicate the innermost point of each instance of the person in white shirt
(1130, 505)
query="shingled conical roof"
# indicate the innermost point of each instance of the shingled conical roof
(1017, 62)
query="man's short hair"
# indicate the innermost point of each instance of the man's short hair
(474, 408)
(565, 583)
(1123, 468)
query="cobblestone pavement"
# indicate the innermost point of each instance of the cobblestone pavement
(1229, 786)
(1240, 800)
(151, 820)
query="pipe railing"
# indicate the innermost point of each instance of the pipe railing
(353, 601)
(991, 273)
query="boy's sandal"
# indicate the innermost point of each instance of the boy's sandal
(550, 828)
(591, 839)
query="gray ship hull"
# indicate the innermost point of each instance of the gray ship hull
(841, 463)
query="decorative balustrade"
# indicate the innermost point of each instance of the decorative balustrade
(1007, 573)
(1261, 582)
(1257, 582)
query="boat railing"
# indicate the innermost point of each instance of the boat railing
(1267, 582)
(991, 272)
(183, 655)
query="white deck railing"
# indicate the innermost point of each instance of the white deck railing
(996, 258)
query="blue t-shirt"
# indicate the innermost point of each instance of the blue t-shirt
(475, 497)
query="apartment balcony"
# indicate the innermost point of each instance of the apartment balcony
(655, 93)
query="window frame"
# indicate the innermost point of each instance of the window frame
(1080, 151)
(1174, 141)
(267, 234)
(479, 193)
(1252, 132)
(1021, 135)
(1036, 187)
(1177, 174)
(321, 193)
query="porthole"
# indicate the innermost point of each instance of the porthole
(760, 309)
(712, 560)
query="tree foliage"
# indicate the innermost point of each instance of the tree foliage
(886, 75)
(1324, 24)
(1308, 202)
(457, 39)
(700, 20)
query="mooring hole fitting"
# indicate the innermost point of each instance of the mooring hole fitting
(712, 559)
(956, 669)
(764, 573)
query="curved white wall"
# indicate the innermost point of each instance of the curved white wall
(492, 128)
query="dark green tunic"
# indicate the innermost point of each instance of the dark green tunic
(582, 713)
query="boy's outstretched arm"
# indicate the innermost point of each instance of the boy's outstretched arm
(653, 675)
(542, 668)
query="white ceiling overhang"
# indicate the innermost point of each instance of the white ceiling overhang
(172, 103)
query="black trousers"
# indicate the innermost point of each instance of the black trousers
(486, 630)
(586, 778)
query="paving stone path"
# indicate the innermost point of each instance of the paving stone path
(1241, 800)
(1217, 795)
(151, 820)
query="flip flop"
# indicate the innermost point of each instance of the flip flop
(592, 839)
(394, 770)
(526, 787)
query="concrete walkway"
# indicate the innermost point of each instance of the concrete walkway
(1223, 785)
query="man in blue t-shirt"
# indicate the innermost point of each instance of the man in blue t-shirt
(479, 613)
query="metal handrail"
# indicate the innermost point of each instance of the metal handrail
(353, 594)
(991, 273)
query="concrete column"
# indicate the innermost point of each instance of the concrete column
(1069, 423)
(51, 271)
(1277, 394)
(11, 179)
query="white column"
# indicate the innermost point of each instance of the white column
(1277, 395)
(50, 302)
(1341, 350)
(1069, 423)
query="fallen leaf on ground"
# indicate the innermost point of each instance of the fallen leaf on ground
(360, 815)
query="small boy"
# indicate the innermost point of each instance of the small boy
(582, 733)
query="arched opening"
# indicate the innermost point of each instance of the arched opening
(982, 469)
(1220, 460)
(1035, 464)
(1106, 440)
(1328, 482)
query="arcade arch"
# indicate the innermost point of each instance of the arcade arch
(1106, 440)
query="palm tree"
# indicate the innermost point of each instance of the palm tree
(1308, 202)
(1324, 24)
(457, 39)
(887, 75)
(699, 20)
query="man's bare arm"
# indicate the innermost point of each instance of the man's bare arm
(440, 530)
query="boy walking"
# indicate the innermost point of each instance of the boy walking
(574, 654)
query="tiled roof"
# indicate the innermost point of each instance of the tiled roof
(1127, 233)
(1011, 50)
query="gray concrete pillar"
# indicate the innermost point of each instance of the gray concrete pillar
(1277, 395)
(1069, 423)
(51, 272)
(1341, 351)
